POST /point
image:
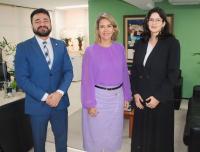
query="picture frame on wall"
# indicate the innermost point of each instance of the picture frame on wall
(133, 27)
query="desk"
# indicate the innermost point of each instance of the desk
(15, 129)
(129, 115)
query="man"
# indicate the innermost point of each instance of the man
(44, 72)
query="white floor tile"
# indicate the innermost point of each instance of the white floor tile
(50, 147)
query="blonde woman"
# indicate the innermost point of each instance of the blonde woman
(105, 89)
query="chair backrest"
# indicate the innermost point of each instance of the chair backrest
(196, 93)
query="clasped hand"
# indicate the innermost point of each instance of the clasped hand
(151, 102)
(53, 99)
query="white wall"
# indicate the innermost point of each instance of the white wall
(15, 23)
(72, 23)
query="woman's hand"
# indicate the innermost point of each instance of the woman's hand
(92, 112)
(152, 102)
(138, 99)
(126, 105)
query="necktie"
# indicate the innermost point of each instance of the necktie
(46, 53)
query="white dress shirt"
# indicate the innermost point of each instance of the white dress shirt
(148, 52)
(49, 46)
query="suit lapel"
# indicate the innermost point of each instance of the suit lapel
(38, 51)
(55, 51)
(142, 53)
(155, 49)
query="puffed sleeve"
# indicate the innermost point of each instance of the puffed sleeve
(126, 79)
(87, 83)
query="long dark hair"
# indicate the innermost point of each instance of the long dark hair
(164, 31)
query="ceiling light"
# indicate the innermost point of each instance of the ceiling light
(72, 6)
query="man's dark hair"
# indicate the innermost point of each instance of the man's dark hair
(39, 10)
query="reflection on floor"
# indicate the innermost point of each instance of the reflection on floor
(50, 147)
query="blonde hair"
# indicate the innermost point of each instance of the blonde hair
(111, 19)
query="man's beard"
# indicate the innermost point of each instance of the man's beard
(42, 32)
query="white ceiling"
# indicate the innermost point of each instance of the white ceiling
(143, 4)
(52, 4)
(148, 4)
(48, 4)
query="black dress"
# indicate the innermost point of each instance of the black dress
(154, 128)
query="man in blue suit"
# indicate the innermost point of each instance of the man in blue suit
(44, 71)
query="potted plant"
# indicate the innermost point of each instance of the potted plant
(7, 53)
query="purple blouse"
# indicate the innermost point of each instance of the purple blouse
(103, 66)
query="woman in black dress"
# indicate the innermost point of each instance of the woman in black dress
(155, 71)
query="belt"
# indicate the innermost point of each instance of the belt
(109, 88)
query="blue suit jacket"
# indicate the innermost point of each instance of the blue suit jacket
(35, 78)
